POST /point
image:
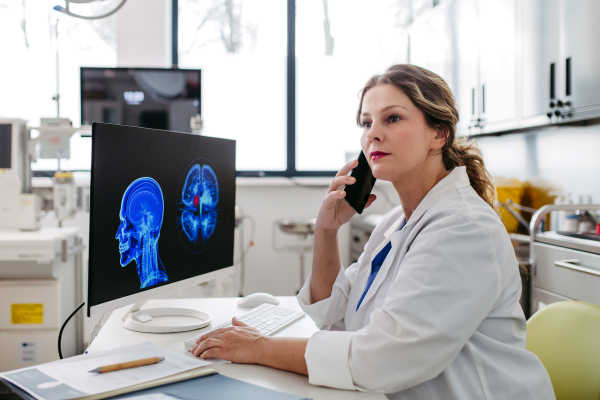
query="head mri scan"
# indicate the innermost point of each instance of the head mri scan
(198, 211)
(142, 209)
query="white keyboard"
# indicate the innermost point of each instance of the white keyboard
(267, 318)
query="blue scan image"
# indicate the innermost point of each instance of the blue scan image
(142, 209)
(197, 216)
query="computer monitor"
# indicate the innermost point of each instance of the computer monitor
(162, 213)
(145, 97)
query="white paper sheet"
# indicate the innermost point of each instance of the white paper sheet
(74, 372)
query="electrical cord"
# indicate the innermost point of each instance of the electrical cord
(62, 328)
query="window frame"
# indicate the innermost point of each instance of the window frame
(290, 170)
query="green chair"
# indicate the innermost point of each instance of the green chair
(566, 338)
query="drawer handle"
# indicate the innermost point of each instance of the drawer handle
(572, 264)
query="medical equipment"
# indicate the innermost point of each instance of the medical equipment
(39, 286)
(267, 318)
(302, 228)
(161, 219)
(564, 267)
(361, 228)
(196, 124)
(30, 209)
(65, 201)
(66, 10)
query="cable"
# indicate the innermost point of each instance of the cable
(95, 330)
(66, 11)
(62, 328)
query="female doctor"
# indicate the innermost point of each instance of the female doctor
(431, 308)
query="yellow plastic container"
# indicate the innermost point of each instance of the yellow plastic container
(513, 189)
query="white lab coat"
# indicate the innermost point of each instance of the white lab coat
(442, 318)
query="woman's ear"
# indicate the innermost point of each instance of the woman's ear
(439, 140)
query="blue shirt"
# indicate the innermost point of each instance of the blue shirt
(376, 266)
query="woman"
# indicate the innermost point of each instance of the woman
(430, 310)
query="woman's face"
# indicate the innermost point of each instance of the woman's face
(396, 139)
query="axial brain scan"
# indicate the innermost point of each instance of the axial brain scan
(142, 209)
(198, 211)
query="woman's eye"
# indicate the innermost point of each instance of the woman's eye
(366, 124)
(394, 118)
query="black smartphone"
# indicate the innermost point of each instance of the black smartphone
(358, 193)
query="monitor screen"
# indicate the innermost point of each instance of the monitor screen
(162, 211)
(144, 97)
(6, 146)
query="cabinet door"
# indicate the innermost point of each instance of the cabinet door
(464, 26)
(498, 65)
(541, 45)
(582, 50)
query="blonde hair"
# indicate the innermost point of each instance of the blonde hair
(431, 94)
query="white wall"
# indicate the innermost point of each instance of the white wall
(144, 34)
(270, 200)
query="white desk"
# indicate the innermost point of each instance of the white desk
(113, 334)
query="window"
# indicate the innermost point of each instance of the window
(340, 44)
(241, 48)
(240, 45)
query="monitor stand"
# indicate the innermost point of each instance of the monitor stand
(137, 320)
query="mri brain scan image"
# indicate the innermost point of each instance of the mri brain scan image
(198, 211)
(141, 215)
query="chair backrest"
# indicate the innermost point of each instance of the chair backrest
(566, 338)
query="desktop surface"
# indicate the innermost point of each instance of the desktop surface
(114, 335)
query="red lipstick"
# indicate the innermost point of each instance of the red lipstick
(375, 155)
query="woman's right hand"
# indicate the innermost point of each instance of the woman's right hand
(334, 211)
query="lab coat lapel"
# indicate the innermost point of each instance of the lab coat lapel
(395, 239)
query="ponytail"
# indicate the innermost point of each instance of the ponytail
(462, 152)
(431, 94)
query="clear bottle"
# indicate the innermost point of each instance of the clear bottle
(568, 219)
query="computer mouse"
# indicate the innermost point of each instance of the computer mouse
(256, 299)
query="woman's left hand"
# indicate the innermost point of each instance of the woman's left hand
(238, 343)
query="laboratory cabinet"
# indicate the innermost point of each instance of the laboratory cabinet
(541, 44)
(472, 44)
(485, 40)
(513, 64)
(565, 269)
(561, 59)
(580, 60)
(40, 275)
